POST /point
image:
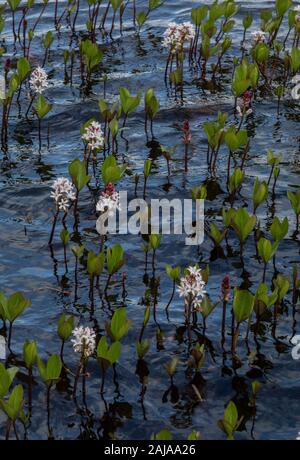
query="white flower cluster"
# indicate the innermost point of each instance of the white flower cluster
(258, 36)
(63, 193)
(84, 341)
(93, 135)
(109, 201)
(191, 287)
(177, 34)
(39, 80)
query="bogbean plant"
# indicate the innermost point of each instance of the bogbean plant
(202, 46)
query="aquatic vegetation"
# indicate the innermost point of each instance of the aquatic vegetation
(139, 329)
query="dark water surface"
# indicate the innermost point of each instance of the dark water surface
(28, 265)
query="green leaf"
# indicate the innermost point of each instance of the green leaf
(266, 250)
(114, 258)
(95, 263)
(163, 435)
(279, 229)
(243, 223)
(15, 402)
(111, 172)
(41, 106)
(23, 68)
(207, 306)
(65, 326)
(260, 193)
(6, 378)
(30, 353)
(119, 325)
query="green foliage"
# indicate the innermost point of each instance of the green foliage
(108, 355)
(147, 167)
(50, 372)
(116, 5)
(65, 326)
(260, 193)
(263, 300)
(64, 236)
(119, 325)
(95, 264)
(114, 258)
(154, 241)
(172, 366)
(13, 306)
(146, 315)
(230, 421)
(236, 180)
(163, 435)
(14, 405)
(243, 223)
(173, 272)
(41, 107)
(261, 53)
(273, 160)
(247, 21)
(228, 215)
(14, 4)
(266, 249)
(151, 103)
(282, 284)
(128, 102)
(47, 39)
(142, 348)
(215, 130)
(23, 68)
(199, 192)
(245, 76)
(295, 59)
(6, 378)
(282, 6)
(279, 229)
(30, 353)
(111, 172)
(207, 307)
(243, 303)
(193, 436)
(235, 139)
(77, 250)
(91, 53)
(295, 201)
(77, 171)
(197, 357)
(216, 235)
(199, 14)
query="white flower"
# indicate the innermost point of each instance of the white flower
(94, 135)
(177, 34)
(258, 36)
(84, 341)
(191, 286)
(241, 110)
(109, 201)
(39, 80)
(63, 193)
